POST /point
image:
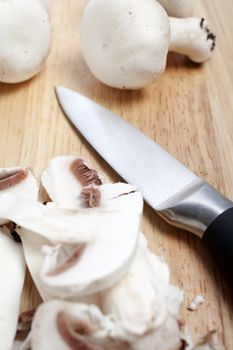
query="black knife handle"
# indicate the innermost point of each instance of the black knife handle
(219, 238)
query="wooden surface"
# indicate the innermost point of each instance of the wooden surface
(189, 111)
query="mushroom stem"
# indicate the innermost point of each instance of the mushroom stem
(191, 37)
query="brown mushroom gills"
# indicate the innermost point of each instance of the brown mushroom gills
(85, 175)
(91, 196)
(12, 178)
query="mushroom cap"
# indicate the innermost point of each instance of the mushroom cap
(24, 39)
(125, 43)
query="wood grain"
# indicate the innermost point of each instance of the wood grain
(189, 111)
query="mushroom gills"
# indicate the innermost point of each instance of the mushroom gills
(65, 177)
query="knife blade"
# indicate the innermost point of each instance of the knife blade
(182, 198)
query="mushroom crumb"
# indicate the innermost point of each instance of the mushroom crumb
(196, 302)
(85, 175)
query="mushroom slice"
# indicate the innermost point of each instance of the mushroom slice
(18, 181)
(110, 235)
(104, 260)
(65, 177)
(145, 303)
(70, 326)
(12, 273)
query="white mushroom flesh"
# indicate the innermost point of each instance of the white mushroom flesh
(177, 8)
(12, 273)
(112, 229)
(145, 303)
(18, 181)
(24, 39)
(196, 302)
(91, 267)
(65, 177)
(69, 326)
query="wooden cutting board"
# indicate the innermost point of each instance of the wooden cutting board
(189, 111)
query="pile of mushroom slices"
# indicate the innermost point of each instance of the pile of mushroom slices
(25, 38)
(101, 285)
(125, 43)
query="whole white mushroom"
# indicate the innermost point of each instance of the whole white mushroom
(25, 35)
(125, 43)
(177, 8)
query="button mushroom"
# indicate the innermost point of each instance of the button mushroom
(24, 39)
(12, 273)
(125, 43)
(177, 8)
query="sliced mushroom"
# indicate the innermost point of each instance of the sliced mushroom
(110, 235)
(69, 326)
(18, 181)
(145, 303)
(12, 273)
(65, 177)
(94, 266)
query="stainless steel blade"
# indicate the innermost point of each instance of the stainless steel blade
(164, 182)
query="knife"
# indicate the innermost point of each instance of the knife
(179, 196)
